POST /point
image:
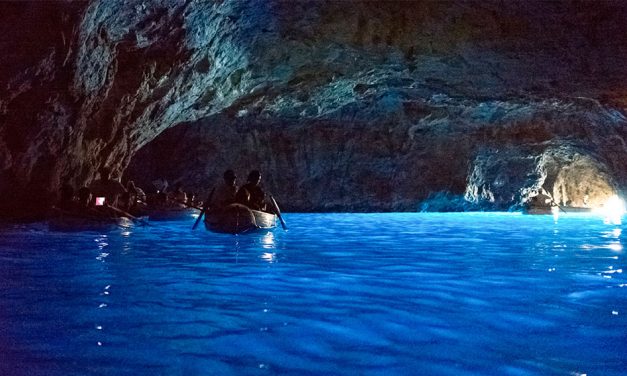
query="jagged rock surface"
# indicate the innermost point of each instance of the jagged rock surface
(493, 154)
(344, 105)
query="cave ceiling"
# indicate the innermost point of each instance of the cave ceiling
(395, 86)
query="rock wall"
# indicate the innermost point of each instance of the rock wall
(401, 99)
(451, 155)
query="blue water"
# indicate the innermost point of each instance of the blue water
(358, 294)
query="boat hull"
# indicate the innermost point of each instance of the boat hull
(544, 210)
(239, 219)
(170, 214)
(77, 223)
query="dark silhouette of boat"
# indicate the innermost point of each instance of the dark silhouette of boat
(239, 219)
(75, 223)
(531, 209)
(169, 213)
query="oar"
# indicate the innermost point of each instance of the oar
(552, 200)
(126, 214)
(205, 206)
(278, 213)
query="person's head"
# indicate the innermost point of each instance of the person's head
(105, 173)
(229, 177)
(254, 177)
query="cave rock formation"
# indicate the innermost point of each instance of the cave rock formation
(395, 105)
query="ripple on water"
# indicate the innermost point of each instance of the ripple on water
(449, 294)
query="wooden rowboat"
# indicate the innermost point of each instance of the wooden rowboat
(238, 219)
(553, 209)
(170, 213)
(73, 223)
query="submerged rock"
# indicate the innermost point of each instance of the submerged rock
(344, 105)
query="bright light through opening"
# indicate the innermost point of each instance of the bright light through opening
(613, 210)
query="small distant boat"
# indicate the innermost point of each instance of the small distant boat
(170, 213)
(239, 219)
(76, 223)
(554, 209)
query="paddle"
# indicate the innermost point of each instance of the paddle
(278, 213)
(205, 206)
(552, 200)
(126, 214)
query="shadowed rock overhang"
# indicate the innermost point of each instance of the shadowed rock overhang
(344, 105)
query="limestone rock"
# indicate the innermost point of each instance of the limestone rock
(346, 105)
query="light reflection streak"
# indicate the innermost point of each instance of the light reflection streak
(616, 247)
(267, 241)
(102, 256)
(270, 257)
(101, 241)
(613, 271)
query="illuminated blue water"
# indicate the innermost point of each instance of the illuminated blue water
(406, 294)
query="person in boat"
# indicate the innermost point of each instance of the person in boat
(134, 190)
(160, 185)
(134, 200)
(242, 197)
(159, 201)
(257, 197)
(178, 196)
(84, 198)
(86, 207)
(540, 200)
(106, 187)
(66, 199)
(192, 200)
(226, 191)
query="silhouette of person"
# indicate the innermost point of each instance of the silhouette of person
(107, 188)
(226, 191)
(257, 195)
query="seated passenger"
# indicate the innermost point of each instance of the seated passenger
(160, 185)
(107, 188)
(243, 197)
(178, 196)
(540, 200)
(84, 198)
(160, 200)
(139, 193)
(226, 191)
(257, 195)
(66, 199)
(192, 199)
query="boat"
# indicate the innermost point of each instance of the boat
(239, 219)
(170, 213)
(75, 223)
(555, 209)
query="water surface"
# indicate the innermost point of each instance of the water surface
(406, 294)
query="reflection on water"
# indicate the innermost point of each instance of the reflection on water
(337, 294)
